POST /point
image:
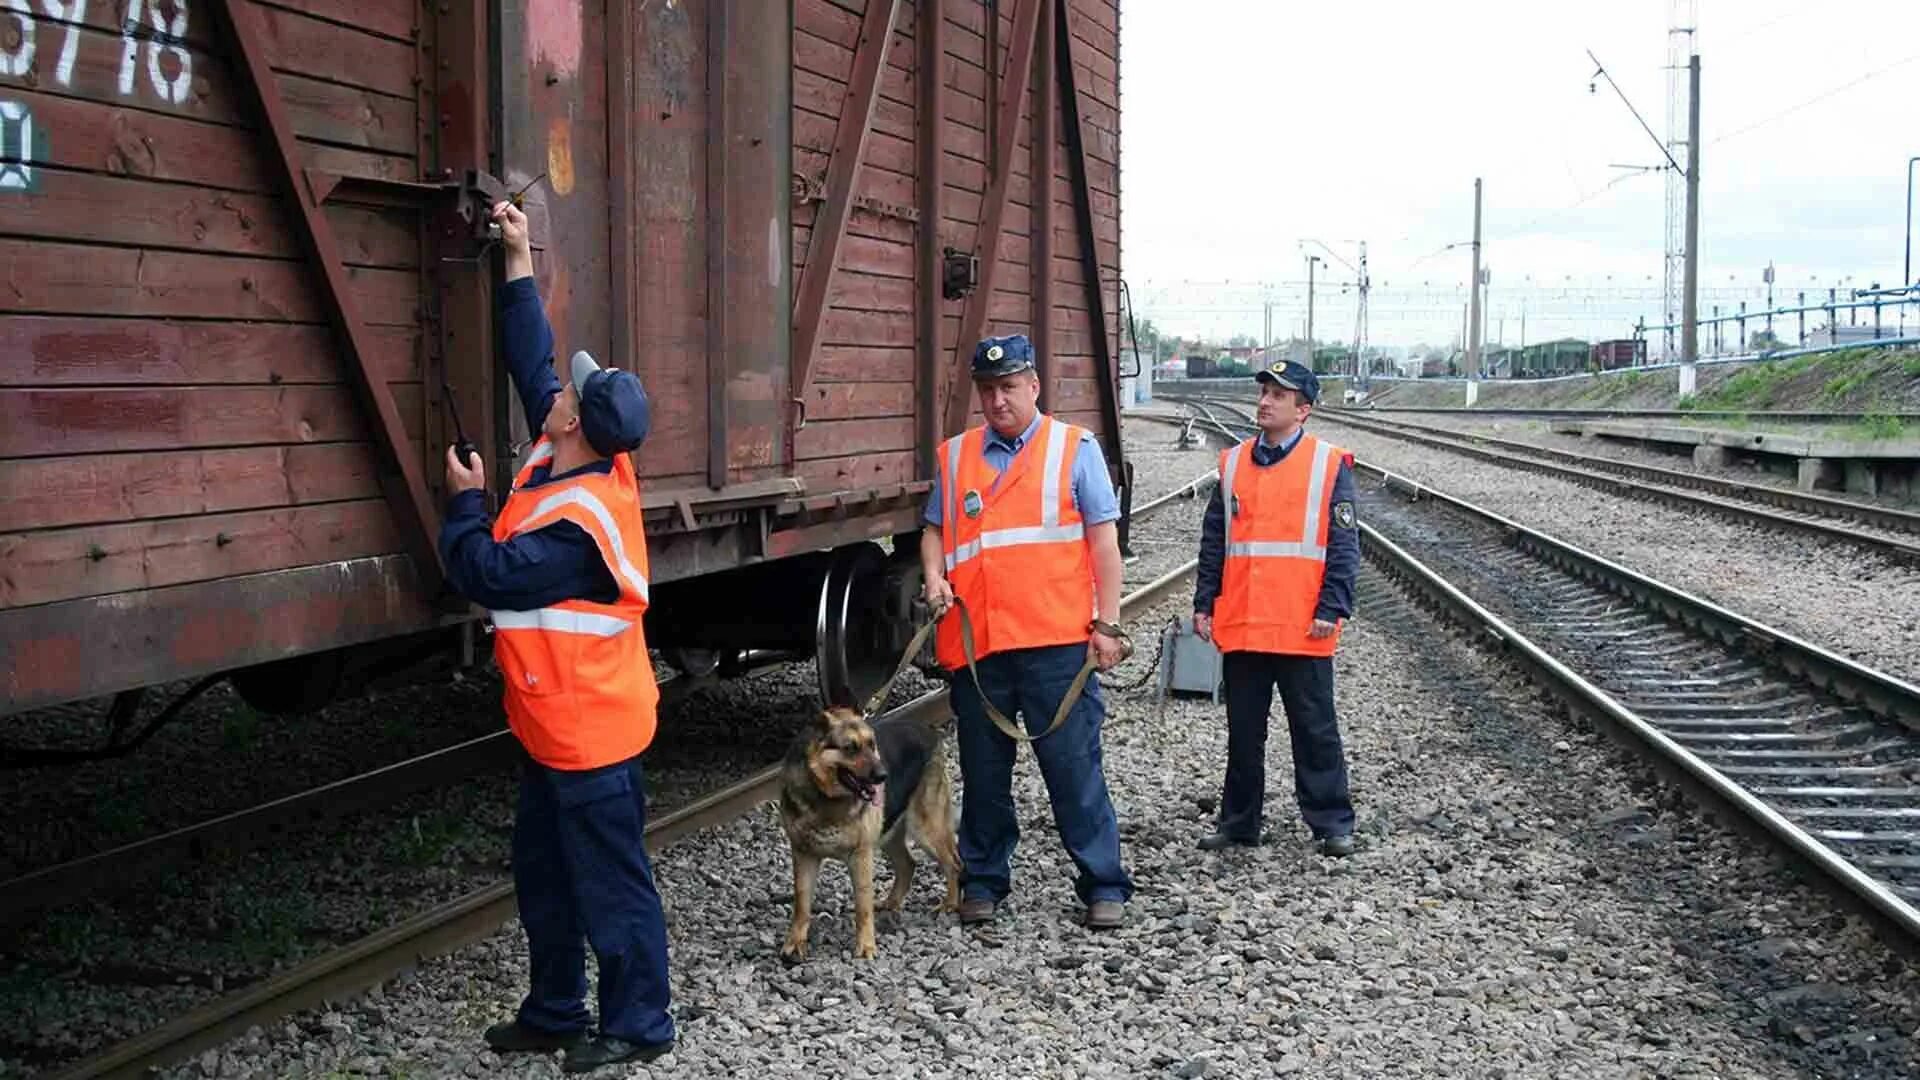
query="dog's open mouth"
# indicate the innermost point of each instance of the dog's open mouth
(863, 789)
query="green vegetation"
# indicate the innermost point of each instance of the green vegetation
(267, 928)
(1878, 425)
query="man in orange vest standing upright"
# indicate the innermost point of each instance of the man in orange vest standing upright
(1279, 551)
(563, 571)
(1020, 529)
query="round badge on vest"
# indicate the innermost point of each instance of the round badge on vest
(971, 503)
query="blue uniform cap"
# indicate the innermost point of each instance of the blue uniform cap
(1292, 376)
(997, 356)
(614, 414)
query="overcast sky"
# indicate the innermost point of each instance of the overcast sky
(1252, 125)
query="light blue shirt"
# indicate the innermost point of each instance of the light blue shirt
(1093, 493)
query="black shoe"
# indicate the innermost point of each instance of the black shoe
(514, 1037)
(607, 1050)
(1339, 846)
(975, 910)
(1220, 841)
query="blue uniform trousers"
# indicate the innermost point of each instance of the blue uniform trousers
(1319, 761)
(582, 875)
(1031, 683)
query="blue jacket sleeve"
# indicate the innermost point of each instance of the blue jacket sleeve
(528, 338)
(1213, 553)
(533, 570)
(1343, 550)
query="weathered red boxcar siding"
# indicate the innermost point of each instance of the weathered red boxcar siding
(174, 409)
(159, 304)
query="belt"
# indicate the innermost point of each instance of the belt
(1007, 727)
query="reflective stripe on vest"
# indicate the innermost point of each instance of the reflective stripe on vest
(1304, 548)
(562, 621)
(588, 501)
(1049, 531)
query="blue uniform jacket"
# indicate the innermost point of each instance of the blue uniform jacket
(1343, 542)
(555, 562)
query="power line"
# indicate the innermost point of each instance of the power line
(1815, 100)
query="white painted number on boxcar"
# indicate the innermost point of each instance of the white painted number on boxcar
(19, 59)
(16, 147)
(73, 13)
(167, 35)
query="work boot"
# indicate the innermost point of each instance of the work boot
(1106, 915)
(514, 1037)
(1338, 846)
(1221, 841)
(607, 1050)
(976, 909)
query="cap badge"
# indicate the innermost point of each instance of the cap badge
(995, 352)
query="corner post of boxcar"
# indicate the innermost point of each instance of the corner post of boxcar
(929, 136)
(1040, 170)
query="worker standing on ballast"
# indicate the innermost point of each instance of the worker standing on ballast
(563, 572)
(1279, 551)
(1020, 527)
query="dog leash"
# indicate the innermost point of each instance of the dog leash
(1006, 726)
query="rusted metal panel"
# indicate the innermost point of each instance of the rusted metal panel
(830, 225)
(57, 652)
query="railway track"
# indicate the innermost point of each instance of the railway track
(466, 919)
(1889, 531)
(1815, 751)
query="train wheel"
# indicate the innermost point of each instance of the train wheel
(864, 621)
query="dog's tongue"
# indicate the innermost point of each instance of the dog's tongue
(875, 795)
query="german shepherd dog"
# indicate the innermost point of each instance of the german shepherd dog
(848, 787)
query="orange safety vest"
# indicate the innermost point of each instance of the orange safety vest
(1276, 549)
(1016, 546)
(580, 686)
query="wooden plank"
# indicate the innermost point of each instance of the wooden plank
(45, 493)
(117, 210)
(391, 18)
(857, 401)
(1086, 209)
(394, 18)
(870, 292)
(61, 279)
(838, 438)
(201, 86)
(861, 472)
(93, 560)
(854, 363)
(819, 94)
(84, 648)
(813, 132)
(843, 173)
(1012, 110)
(869, 329)
(42, 423)
(864, 254)
(931, 33)
(60, 351)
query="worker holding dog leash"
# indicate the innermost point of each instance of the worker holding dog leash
(1020, 553)
(1279, 551)
(564, 573)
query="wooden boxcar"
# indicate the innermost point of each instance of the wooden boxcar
(250, 286)
(1618, 353)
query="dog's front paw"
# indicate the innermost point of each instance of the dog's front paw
(794, 951)
(865, 949)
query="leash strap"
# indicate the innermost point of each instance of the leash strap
(1000, 720)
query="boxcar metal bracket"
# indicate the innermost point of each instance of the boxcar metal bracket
(401, 476)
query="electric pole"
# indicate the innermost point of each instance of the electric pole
(1311, 259)
(1473, 306)
(1690, 296)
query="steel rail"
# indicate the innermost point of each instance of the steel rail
(453, 925)
(1804, 502)
(1783, 416)
(1582, 695)
(1645, 481)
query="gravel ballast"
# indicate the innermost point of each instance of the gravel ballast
(1527, 900)
(1834, 594)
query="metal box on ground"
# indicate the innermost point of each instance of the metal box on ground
(1188, 664)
